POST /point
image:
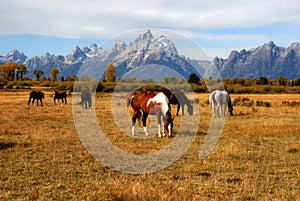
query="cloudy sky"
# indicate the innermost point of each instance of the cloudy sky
(57, 26)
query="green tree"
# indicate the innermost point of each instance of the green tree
(283, 81)
(21, 70)
(38, 74)
(193, 78)
(296, 82)
(54, 73)
(110, 73)
(262, 81)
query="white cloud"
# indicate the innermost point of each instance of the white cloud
(101, 18)
(203, 20)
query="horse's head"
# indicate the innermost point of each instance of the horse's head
(169, 124)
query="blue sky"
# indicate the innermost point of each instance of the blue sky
(57, 26)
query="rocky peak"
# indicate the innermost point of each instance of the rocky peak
(120, 45)
(76, 56)
(164, 44)
(16, 56)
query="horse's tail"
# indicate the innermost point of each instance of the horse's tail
(229, 100)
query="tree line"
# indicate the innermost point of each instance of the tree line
(13, 71)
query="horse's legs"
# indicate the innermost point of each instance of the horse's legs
(163, 124)
(144, 120)
(225, 108)
(220, 110)
(214, 110)
(65, 101)
(182, 109)
(133, 122)
(178, 108)
(54, 101)
(29, 100)
(41, 102)
(159, 126)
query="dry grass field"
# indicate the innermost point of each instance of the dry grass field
(257, 156)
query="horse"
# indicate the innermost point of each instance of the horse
(86, 99)
(36, 95)
(153, 104)
(219, 100)
(179, 99)
(60, 95)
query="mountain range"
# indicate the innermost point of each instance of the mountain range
(139, 57)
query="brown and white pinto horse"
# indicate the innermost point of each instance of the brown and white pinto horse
(179, 99)
(153, 104)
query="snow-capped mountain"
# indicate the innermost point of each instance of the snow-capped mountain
(267, 60)
(13, 55)
(144, 50)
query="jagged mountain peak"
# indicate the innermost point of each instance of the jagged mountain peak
(267, 60)
(120, 45)
(76, 56)
(16, 56)
(145, 36)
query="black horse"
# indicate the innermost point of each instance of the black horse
(36, 95)
(86, 99)
(60, 95)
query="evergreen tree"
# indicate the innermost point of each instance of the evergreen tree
(111, 73)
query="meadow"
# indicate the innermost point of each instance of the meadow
(257, 156)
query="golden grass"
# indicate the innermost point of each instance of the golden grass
(256, 158)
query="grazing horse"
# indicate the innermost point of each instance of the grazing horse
(86, 99)
(60, 95)
(36, 95)
(219, 101)
(153, 104)
(179, 99)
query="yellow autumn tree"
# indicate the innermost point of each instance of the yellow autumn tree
(8, 70)
(54, 73)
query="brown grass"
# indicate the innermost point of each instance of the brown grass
(256, 158)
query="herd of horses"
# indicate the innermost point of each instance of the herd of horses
(86, 99)
(144, 103)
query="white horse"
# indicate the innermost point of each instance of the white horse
(219, 100)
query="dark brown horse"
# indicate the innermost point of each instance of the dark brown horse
(153, 104)
(86, 99)
(179, 99)
(60, 95)
(36, 95)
